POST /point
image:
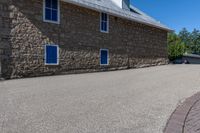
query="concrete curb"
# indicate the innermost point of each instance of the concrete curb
(176, 123)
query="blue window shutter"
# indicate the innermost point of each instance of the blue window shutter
(51, 54)
(104, 57)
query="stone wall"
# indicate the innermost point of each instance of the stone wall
(130, 44)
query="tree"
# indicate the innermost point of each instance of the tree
(195, 41)
(176, 47)
(185, 36)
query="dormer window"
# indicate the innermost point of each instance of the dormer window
(126, 4)
(104, 22)
(51, 11)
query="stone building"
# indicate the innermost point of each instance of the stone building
(46, 37)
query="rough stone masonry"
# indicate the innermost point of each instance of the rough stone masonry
(24, 34)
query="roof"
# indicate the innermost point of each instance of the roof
(111, 8)
(192, 55)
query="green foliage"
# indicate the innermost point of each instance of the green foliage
(185, 41)
(195, 41)
(185, 35)
(176, 47)
(191, 39)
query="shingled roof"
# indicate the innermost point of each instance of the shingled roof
(111, 8)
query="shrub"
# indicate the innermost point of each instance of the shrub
(176, 48)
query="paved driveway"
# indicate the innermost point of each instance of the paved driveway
(129, 101)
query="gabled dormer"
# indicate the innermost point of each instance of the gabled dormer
(124, 4)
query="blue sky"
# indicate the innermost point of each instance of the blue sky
(176, 14)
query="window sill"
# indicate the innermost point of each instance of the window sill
(104, 31)
(53, 22)
(47, 64)
(104, 64)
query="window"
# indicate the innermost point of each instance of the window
(51, 54)
(104, 23)
(104, 57)
(51, 11)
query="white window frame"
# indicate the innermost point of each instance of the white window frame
(44, 13)
(107, 22)
(108, 58)
(45, 55)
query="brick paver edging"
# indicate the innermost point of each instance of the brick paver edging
(177, 120)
